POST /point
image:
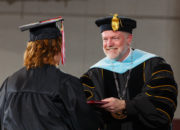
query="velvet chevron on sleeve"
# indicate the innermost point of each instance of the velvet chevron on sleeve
(162, 90)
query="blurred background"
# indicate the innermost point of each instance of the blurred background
(158, 31)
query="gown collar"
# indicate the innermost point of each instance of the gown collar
(134, 58)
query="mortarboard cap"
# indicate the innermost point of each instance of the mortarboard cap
(116, 23)
(47, 29)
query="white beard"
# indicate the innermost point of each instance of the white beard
(120, 56)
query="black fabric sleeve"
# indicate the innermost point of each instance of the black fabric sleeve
(2, 100)
(156, 104)
(81, 114)
(130, 107)
(92, 82)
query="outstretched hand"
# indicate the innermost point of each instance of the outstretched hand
(113, 105)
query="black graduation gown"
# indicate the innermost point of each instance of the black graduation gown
(151, 97)
(44, 99)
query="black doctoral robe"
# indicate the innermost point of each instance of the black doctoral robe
(151, 97)
(44, 99)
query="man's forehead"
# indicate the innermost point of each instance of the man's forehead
(113, 33)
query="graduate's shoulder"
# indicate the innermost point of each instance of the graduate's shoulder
(66, 77)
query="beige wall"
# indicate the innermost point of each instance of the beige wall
(158, 30)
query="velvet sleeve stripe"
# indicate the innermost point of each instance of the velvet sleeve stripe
(164, 113)
(88, 94)
(164, 67)
(169, 108)
(102, 73)
(159, 77)
(161, 86)
(161, 97)
(169, 90)
(163, 93)
(159, 81)
(85, 80)
(163, 82)
(144, 75)
(166, 108)
(168, 99)
(161, 71)
(162, 106)
(87, 85)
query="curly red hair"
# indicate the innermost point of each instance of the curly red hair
(41, 52)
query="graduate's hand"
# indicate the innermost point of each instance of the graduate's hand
(114, 105)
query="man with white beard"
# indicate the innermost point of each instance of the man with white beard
(131, 89)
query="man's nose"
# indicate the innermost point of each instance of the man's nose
(110, 42)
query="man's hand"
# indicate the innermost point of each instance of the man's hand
(114, 105)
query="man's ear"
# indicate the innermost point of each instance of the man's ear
(129, 39)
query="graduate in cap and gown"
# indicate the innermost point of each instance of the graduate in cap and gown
(129, 89)
(40, 96)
